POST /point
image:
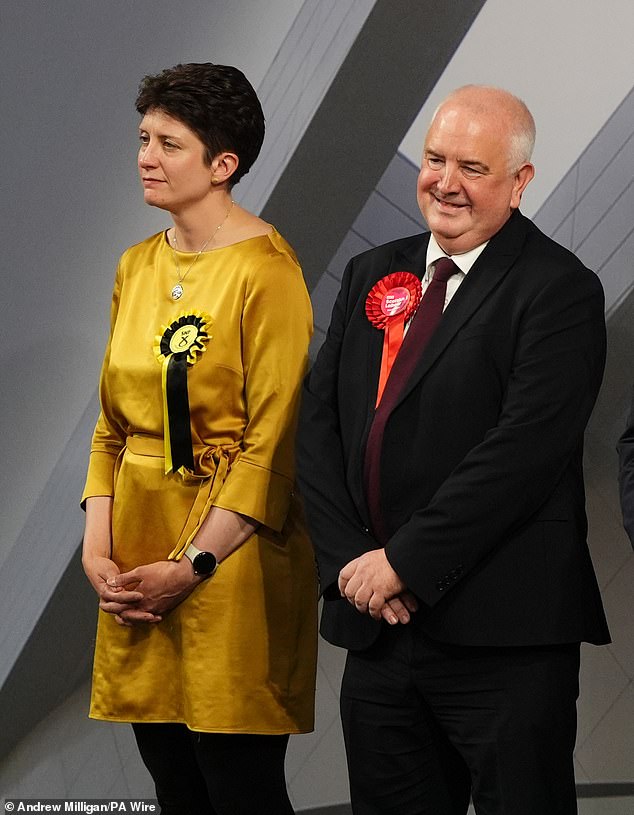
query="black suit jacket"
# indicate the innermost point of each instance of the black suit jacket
(626, 473)
(481, 470)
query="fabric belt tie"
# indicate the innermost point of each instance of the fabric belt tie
(211, 467)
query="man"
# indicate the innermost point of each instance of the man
(446, 500)
(626, 474)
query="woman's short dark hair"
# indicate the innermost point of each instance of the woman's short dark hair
(217, 102)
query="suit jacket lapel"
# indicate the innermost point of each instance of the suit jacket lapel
(484, 276)
(412, 260)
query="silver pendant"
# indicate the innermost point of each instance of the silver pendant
(177, 292)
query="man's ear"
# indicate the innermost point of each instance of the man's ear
(522, 178)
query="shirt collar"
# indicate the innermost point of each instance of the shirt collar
(463, 261)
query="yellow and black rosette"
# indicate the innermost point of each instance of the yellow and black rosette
(178, 347)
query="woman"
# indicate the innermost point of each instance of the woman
(194, 543)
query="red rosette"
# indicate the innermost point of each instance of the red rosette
(389, 304)
(396, 295)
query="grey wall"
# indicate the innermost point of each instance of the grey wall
(591, 210)
(358, 126)
(571, 61)
(389, 212)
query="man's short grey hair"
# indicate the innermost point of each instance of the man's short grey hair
(520, 120)
(522, 142)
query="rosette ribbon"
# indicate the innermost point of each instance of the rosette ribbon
(177, 348)
(388, 306)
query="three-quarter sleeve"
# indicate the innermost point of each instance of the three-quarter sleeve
(276, 330)
(108, 437)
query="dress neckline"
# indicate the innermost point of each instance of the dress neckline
(168, 245)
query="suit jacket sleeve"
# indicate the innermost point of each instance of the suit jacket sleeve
(337, 531)
(519, 465)
(626, 473)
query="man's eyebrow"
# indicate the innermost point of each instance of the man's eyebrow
(474, 162)
(471, 162)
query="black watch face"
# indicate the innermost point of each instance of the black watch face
(204, 563)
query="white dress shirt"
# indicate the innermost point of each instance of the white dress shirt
(463, 261)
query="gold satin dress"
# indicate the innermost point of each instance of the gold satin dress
(239, 654)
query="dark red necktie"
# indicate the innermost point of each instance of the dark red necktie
(422, 327)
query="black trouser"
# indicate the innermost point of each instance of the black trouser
(429, 725)
(214, 773)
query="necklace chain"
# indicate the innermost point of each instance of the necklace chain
(178, 290)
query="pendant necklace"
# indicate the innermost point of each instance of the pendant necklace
(178, 290)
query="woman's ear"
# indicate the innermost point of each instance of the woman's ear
(223, 166)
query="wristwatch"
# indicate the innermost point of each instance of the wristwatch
(204, 563)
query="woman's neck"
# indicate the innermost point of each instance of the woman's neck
(196, 227)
